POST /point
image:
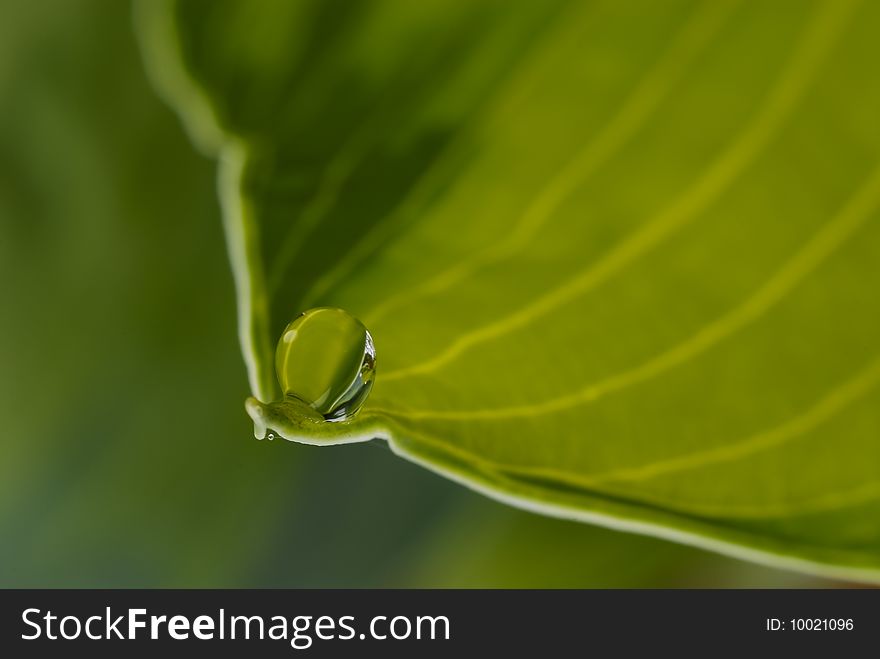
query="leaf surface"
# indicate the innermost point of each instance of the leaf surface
(620, 260)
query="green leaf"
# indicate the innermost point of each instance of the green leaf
(619, 260)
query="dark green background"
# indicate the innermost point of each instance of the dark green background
(127, 459)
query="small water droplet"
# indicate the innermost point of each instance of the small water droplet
(326, 359)
(271, 436)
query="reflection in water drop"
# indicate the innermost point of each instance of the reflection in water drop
(325, 358)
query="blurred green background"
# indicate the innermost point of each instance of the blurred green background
(127, 459)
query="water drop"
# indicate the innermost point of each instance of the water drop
(325, 358)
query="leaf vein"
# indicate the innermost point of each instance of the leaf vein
(819, 248)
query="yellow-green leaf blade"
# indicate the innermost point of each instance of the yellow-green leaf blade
(620, 261)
